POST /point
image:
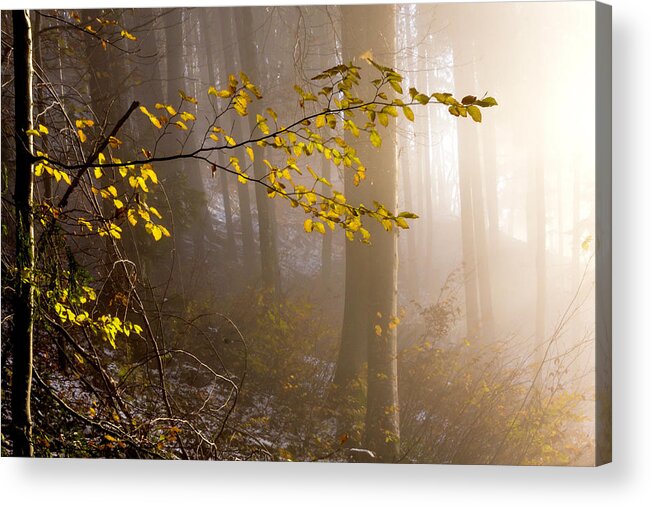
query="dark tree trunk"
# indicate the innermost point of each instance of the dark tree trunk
(22, 336)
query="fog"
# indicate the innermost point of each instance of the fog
(466, 336)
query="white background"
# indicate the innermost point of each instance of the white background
(627, 481)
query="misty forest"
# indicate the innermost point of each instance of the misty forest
(299, 233)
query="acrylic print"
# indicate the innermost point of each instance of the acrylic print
(375, 233)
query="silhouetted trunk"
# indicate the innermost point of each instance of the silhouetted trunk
(468, 231)
(229, 48)
(186, 173)
(479, 303)
(266, 216)
(223, 175)
(22, 336)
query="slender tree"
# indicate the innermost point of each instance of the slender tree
(228, 47)
(266, 216)
(22, 335)
(206, 33)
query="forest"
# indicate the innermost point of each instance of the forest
(359, 233)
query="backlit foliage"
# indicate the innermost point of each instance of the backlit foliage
(330, 111)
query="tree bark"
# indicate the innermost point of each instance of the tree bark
(22, 336)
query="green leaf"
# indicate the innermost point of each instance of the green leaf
(486, 102)
(475, 113)
(422, 99)
(441, 97)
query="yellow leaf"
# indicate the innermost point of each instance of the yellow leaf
(229, 140)
(118, 204)
(43, 129)
(170, 110)
(308, 225)
(402, 223)
(148, 172)
(409, 114)
(318, 226)
(249, 151)
(82, 135)
(98, 173)
(181, 125)
(375, 139)
(155, 121)
(378, 330)
(224, 93)
(156, 232)
(474, 112)
(81, 123)
(114, 142)
(127, 35)
(187, 116)
(112, 190)
(133, 219)
(383, 119)
(115, 231)
(187, 98)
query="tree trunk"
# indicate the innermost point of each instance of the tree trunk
(326, 245)
(223, 175)
(22, 336)
(229, 44)
(376, 288)
(468, 231)
(266, 216)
